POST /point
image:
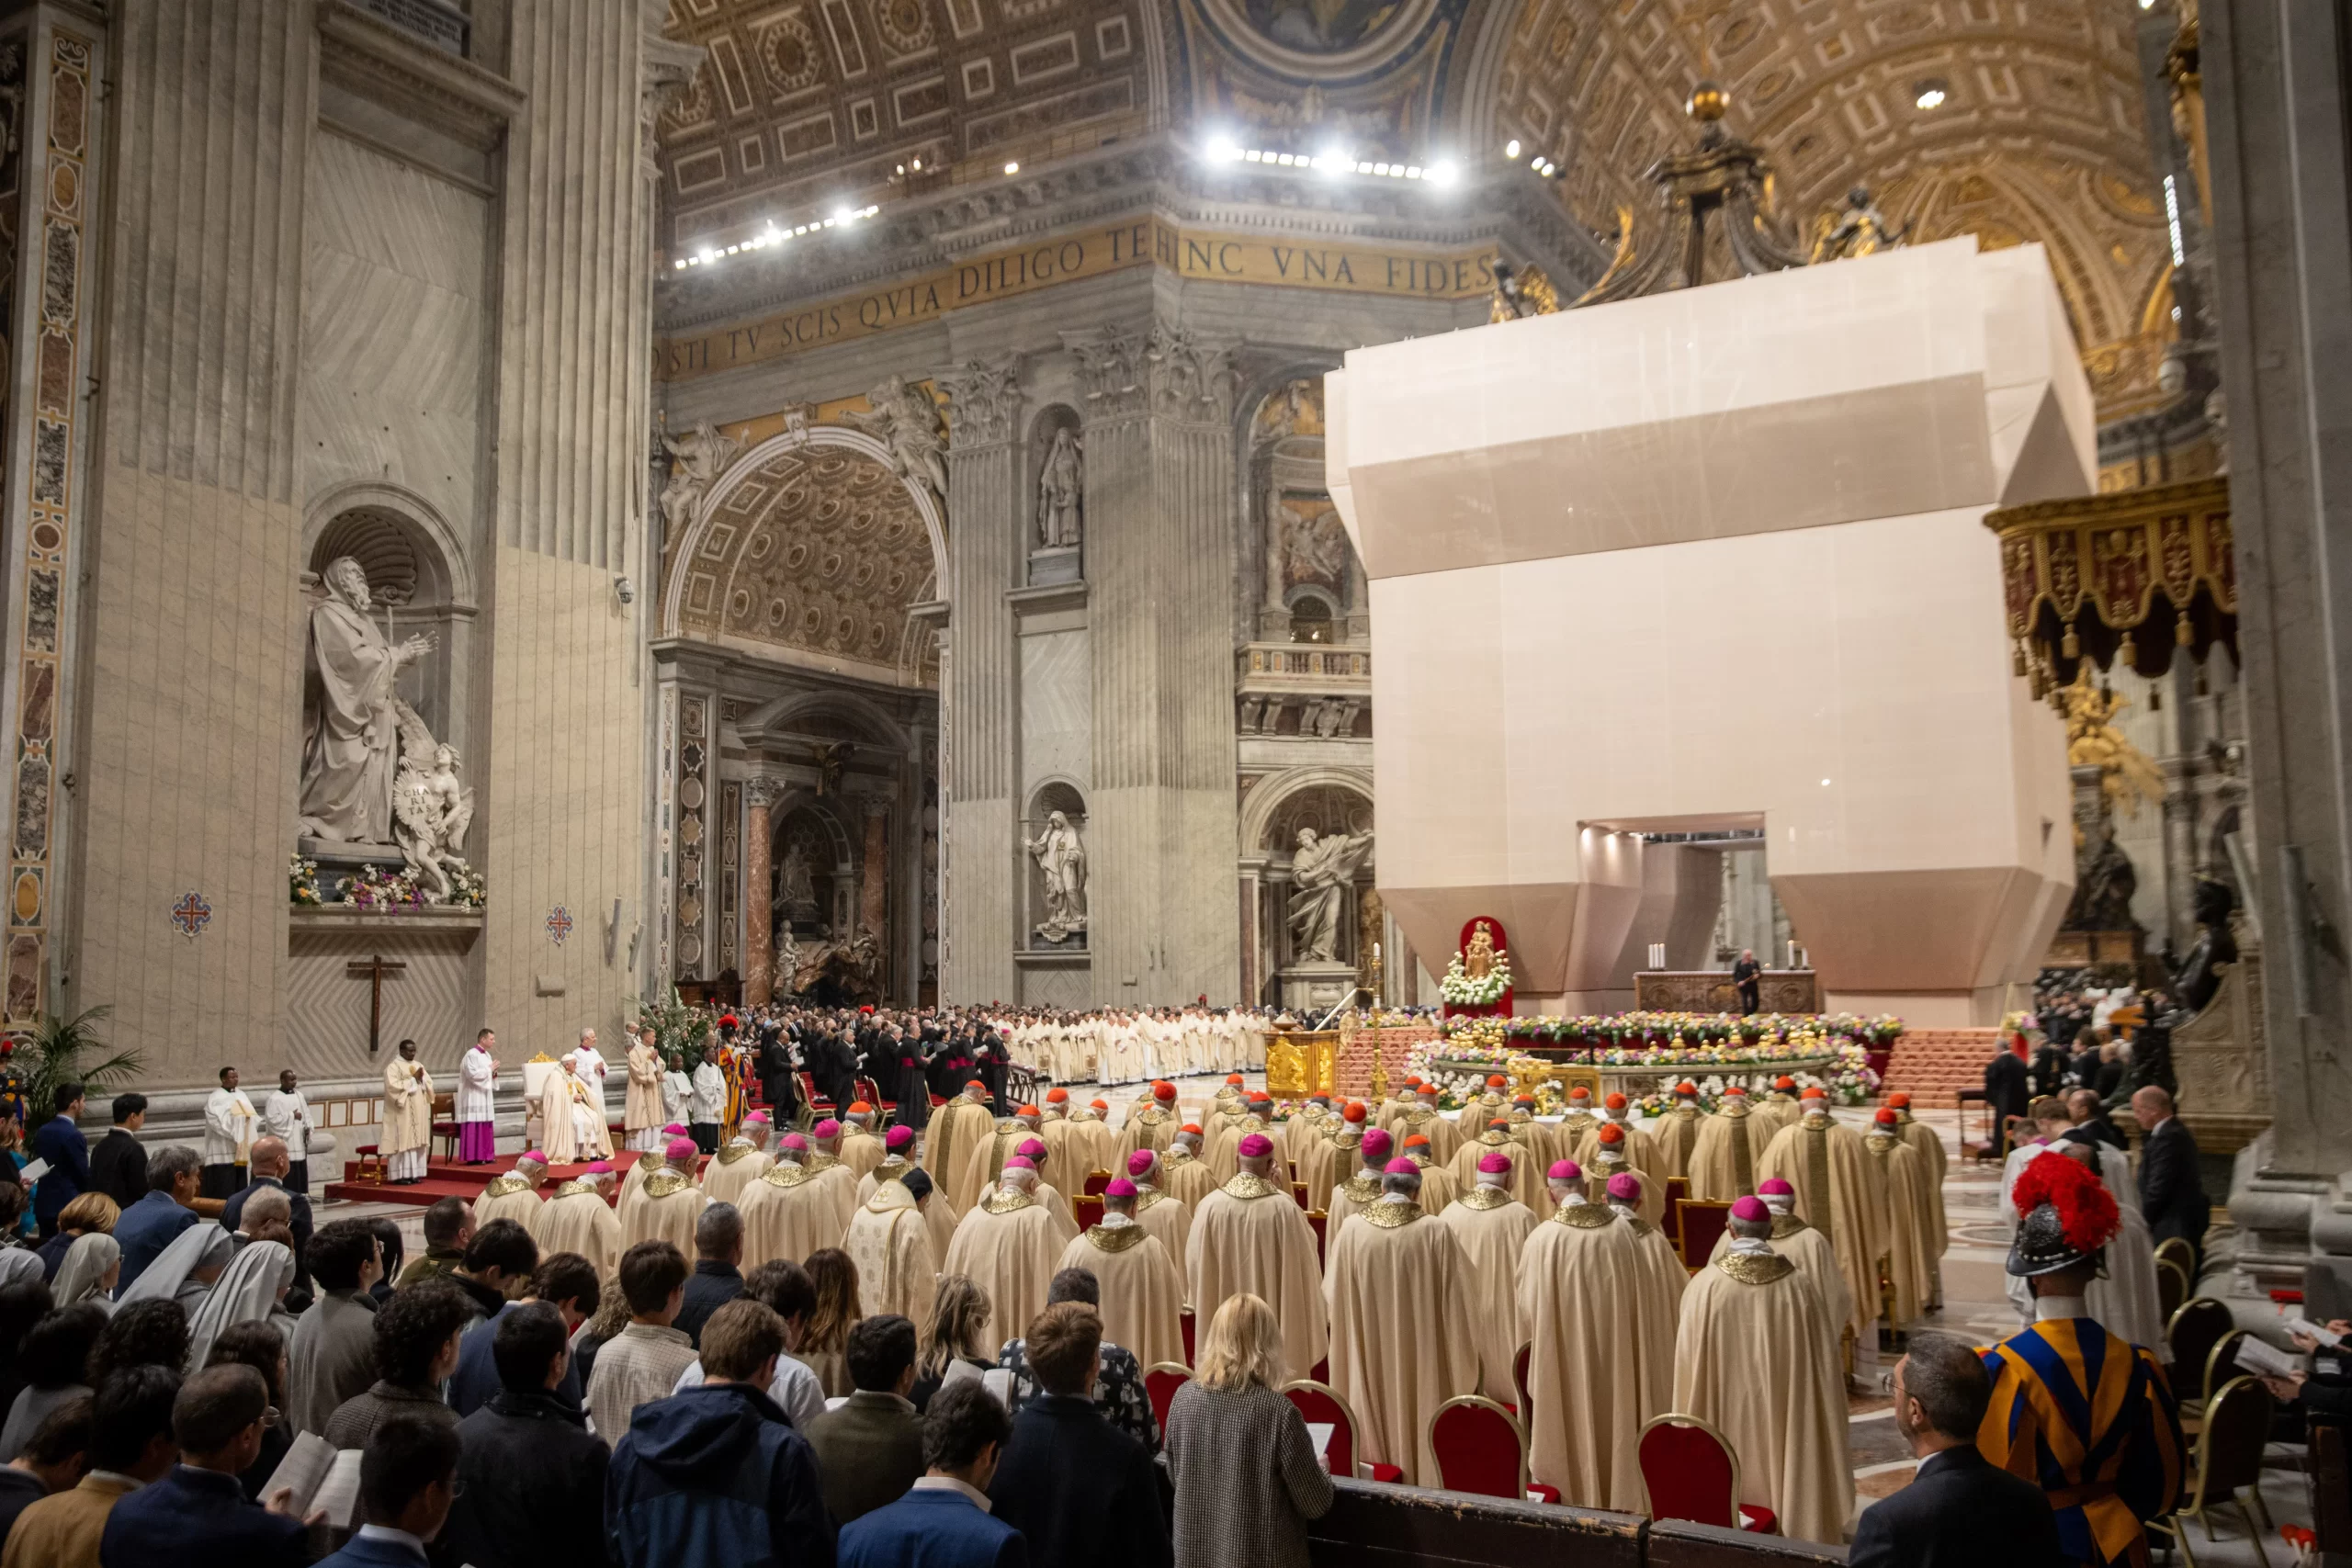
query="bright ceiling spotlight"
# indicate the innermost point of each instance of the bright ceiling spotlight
(1931, 94)
(1510, 147)
(1443, 173)
(1013, 168)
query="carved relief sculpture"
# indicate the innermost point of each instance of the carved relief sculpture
(1061, 492)
(1060, 854)
(1321, 873)
(431, 810)
(906, 422)
(696, 459)
(351, 749)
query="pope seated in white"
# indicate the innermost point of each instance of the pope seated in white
(573, 1118)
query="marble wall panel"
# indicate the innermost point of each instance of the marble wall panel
(436, 1001)
(1056, 709)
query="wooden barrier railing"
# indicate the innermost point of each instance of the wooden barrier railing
(1374, 1526)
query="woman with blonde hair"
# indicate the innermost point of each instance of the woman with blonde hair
(1247, 1478)
(824, 1344)
(959, 1320)
(90, 1213)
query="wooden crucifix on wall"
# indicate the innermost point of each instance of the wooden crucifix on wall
(373, 969)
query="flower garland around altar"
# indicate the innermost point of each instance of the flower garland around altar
(1463, 990)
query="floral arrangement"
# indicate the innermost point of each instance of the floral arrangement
(1464, 991)
(387, 892)
(303, 883)
(1644, 1032)
(374, 888)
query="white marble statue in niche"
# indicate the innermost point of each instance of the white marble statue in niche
(1060, 855)
(1322, 870)
(907, 420)
(1061, 492)
(352, 744)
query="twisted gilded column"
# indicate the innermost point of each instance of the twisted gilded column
(759, 892)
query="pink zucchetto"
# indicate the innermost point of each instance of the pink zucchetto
(1140, 1162)
(1773, 1187)
(1030, 1149)
(1402, 1168)
(1567, 1170)
(1626, 1188)
(532, 1157)
(899, 1137)
(1376, 1143)
(602, 1167)
(1491, 1164)
(681, 1148)
(1120, 1187)
(1751, 1211)
(1257, 1145)
(1020, 1162)
(674, 1129)
(759, 1116)
(827, 1128)
(795, 1144)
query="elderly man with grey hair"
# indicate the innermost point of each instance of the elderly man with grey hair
(1958, 1509)
(155, 1220)
(717, 1278)
(269, 1163)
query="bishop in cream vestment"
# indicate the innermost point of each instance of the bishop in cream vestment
(1142, 1285)
(1008, 1246)
(1397, 1287)
(1491, 1226)
(1250, 1237)
(579, 1219)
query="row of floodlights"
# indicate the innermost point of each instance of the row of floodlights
(1332, 161)
(772, 235)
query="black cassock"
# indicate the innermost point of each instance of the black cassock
(778, 1086)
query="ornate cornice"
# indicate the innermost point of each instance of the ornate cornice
(1187, 378)
(983, 403)
(1109, 371)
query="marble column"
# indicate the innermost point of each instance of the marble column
(979, 680)
(759, 892)
(873, 874)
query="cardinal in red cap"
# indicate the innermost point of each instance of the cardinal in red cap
(948, 1141)
(1676, 1132)
(1755, 1357)
(1142, 1287)
(1082, 1143)
(1933, 1162)
(1601, 1346)
(1425, 1120)
(1402, 1314)
(1898, 1195)
(1730, 1139)
(1183, 1174)
(1329, 1157)
(861, 1147)
(1824, 1160)
(1523, 1178)
(1777, 1108)
(1154, 1124)
(1490, 1224)
(1249, 1235)
(1009, 1245)
(1640, 1149)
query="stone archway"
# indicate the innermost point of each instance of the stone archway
(1327, 799)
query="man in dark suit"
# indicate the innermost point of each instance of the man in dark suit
(61, 1143)
(2172, 1192)
(1958, 1510)
(1079, 1489)
(118, 1165)
(197, 1513)
(2085, 1111)
(266, 1165)
(870, 1448)
(2005, 1091)
(717, 1278)
(408, 1479)
(944, 1520)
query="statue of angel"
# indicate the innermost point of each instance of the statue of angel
(696, 459)
(431, 809)
(907, 420)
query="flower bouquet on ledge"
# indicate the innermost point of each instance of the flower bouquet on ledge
(1463, 990)
(384, 892)
(303, 883)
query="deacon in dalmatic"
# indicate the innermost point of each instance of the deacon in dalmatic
(1600, 1348)
(1142, 1285)
(579, 1219)
(1163, 1215)
(739, 1161)
(670, 1203)
(1490, 1226)
(788, 1212)
(1396, 1286)
(1754, 1358)
(889, 1239)
(1250, 1237)
(1827, 1164)
(948, 1139)
(1728, 1146)
(1676, 1133)
(1008, 1244)
(1184, 1176)
(515, 1195)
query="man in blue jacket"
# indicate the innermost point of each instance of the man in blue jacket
(61, 1143)
(715, 1477)
(946, 1521)
(408, 1480)
(197, 1513)
(152, 1224)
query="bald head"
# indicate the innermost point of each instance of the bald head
(2151, 1107)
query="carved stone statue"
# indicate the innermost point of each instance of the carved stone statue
(2199, 975)
(1322, 870)
(2104, 883)
(1060, 854)
(1858, 231)
(696, 459)
(431, 810)
(797, 883)
(351, 748)
(1061, 492)
(907, 420)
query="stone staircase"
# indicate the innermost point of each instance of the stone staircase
(1934, 1065)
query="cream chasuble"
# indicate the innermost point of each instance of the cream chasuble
(788, 1212)
(1676, 1133)
(1327, 1162)
(1828, 1166)
(860, 1151)
(1397, 1295)
(839, 1182)
(1149, 1128)
(577, 1219)
(1249, 1236)
(1899, 1206)
(1491, 1226)
(984, 1157)
(1087, 1147)
(1817, 1261)
(935, 1217)
(947, 1146)
(735, 1166)
(1597, 1331)
(1530, 1134)
(897, 1271)
(1188, 1180)
(633, 1184)
(1441, 1130)
(566, 1138)
(1652, 1208)
(1933, 1160)
(1753, 1358)
(1008, 1246)
(665, 1211)
(1526, 1182)
(1438, 1186)
(1143, 1290)
(1640, 1149)
(510, 1197)
(1725, 1151)
(1173, 1223)
(1225, 1152)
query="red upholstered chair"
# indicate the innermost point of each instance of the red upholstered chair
(1689, 1472)
(1097, 1181)
(1161, 1381)
(817, 1103)
(1184, 1323)
(1086, 1210)
(1678, 1188)
(1320, 1223)
(1701, 1223)
(1480, 1446)
(1320, 1405)
(1519, 1380)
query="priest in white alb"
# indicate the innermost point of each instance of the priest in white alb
(1399, 1296)
(1753, 1358)
(577, 1218)
(477, 1106)
(1491, 1226)
(889, 1240)
(1250, 1237)
(1142, 1286)
(231, 1125)
(1008, 1244)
